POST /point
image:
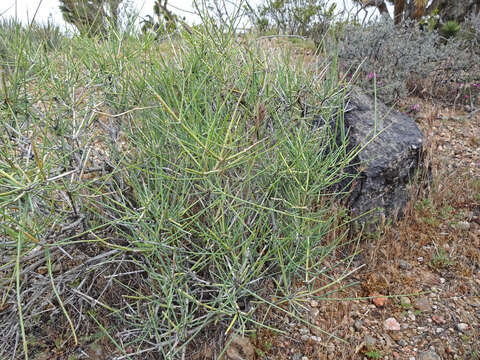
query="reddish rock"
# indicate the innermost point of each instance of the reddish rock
(391, 324)
(379, 300)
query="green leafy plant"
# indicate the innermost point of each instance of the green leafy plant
(268, 345)
(440, 259)
(449, 29)
(431, 21)
(476, 354)
(260, 353)
(374, 354)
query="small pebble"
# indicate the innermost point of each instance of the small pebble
(462, 327)
(405, 301)
(440, 320)
(420, 259)
(438, 330)
(379, 301)
(402, 342)
(423, 304)
(304, 331)
(463, 225)
(317, 339)
(314, 313)
(391, 324)
(404, 265)
(412, 316)
(314, 303)
(429, 355)
(442, 280)
(304, 338)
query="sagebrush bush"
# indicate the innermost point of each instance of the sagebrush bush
(406, 60)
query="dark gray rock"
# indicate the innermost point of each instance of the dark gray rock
(391, 152)
(404, 265)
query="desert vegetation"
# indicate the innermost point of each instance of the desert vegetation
(165, 192)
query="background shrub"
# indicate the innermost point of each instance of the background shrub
(405, 59)
(311, 18)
